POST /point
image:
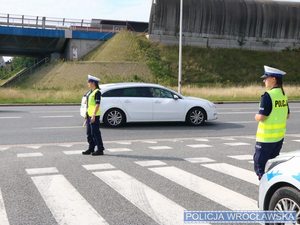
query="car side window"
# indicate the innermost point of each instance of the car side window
(161, 93)
(113, 93)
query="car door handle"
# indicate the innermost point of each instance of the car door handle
(127, 101)
(157, 102)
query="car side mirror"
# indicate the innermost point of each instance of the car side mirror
(176, 97)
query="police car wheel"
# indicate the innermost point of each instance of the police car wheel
(286, 199)
(196, 117)
(114, 118)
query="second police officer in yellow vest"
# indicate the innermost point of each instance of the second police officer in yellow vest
(272, 119)
(93, 118)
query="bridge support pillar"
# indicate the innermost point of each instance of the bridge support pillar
(76, 49)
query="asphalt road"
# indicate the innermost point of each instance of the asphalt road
(150, 174)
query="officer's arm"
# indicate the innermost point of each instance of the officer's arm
(265, 108)
(97, 99)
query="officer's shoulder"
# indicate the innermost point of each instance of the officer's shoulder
(266, 94)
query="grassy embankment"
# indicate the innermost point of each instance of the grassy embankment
(215, 74)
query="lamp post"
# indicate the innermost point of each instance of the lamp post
(180, 48)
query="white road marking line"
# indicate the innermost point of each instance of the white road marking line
(75, 152)
(53, 128)
(4, 148)
(237, 144)
(200, 146)
(229, 113)
(160, 147)
(39, 171)
(296, 140)
(252, 162)
(228, 139)
(104, 166)
(149, 142)
(34, 146)
(3, 215)
(10, 117)
(234, 171)
(119, 150)
(55, 111)
(161, 209)
(66, 204)
(206, 188)
(28, 155)
(199, 160)
(241, 157)
(49, 117)
(66, 145)
(240, 122)
(202, 139)
(150, 163)
(123, 143)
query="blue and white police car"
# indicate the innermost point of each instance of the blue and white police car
(279, 188)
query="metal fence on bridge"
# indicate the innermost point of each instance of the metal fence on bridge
(39, 22)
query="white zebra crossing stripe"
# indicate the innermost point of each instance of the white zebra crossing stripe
(3, 215)
(123, 143)
(237, 144)
(234, 171)
(202, 139)
(38, 171)
(3, 148)
(215, 192)
(241, 157)
(149, 142)
(158, 207)
(150, 163)
(34, 146)
(66, 204)
(228, 139)
(160, 147)
(29, 155)
(296, 140)
(119, 150)
(74, 152)
(199, 146)
(199, 160)
(66, 145)
(104, 166)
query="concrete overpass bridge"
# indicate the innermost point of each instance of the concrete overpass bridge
(54, 37)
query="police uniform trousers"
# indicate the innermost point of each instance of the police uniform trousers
(264, 152)
(94, 137)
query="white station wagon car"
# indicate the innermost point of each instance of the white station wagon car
(279, 188)
(140, 102)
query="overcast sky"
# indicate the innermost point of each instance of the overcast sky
(137, 10)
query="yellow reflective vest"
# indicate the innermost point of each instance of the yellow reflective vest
(92, 104)
(273, 128)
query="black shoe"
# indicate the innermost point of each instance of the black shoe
(96, 153)
(88, 152)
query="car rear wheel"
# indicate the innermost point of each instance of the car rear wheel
(286, 199)
(196, 117)
(114, 118)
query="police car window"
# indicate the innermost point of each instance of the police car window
(161, 93)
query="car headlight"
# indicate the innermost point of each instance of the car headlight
(274, 162)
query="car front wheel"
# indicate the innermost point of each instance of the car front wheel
(196, 117)
(286, 199)
(114, 118)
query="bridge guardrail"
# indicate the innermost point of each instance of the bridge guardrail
(39, 22)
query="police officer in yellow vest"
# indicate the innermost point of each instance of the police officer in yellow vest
(272, 119)
(93, 118)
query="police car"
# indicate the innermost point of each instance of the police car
(140, 102)
(279, 187)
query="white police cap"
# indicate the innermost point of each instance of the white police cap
(273, 72)
(92, 78)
